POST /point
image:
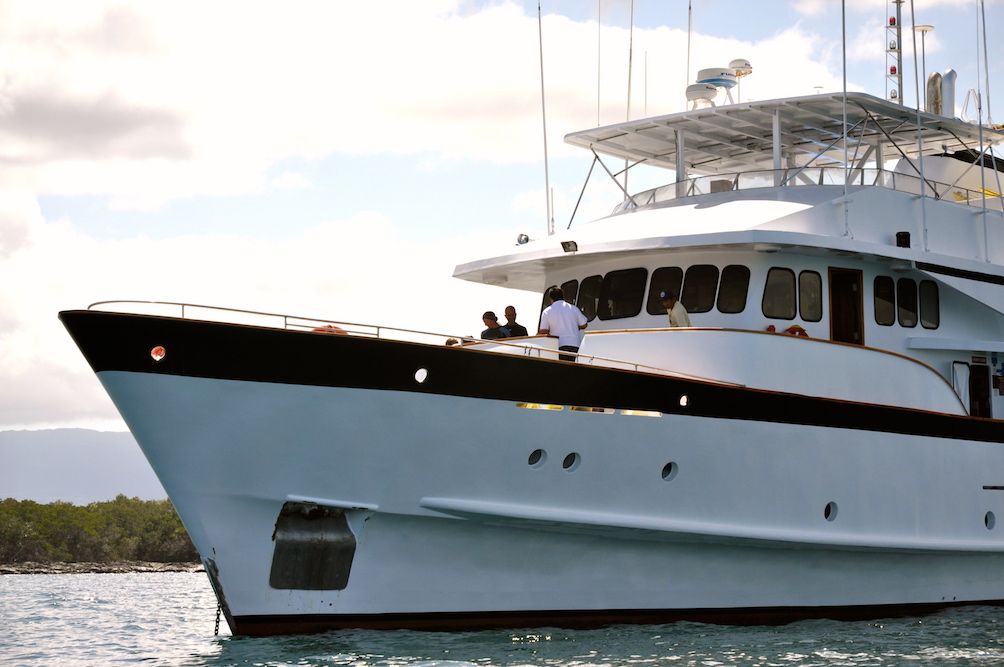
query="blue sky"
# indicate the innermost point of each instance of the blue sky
(321, 158)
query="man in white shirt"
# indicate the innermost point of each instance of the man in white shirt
(678, 316)
(563, 320)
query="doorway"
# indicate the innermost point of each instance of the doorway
(846, 306)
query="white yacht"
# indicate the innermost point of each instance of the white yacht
(724, 472)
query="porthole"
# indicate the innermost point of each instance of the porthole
(420, 375)
(158, 353)
(669, 471)
(989, 520)
(830, 511)
(536, 458)
(571, 462)
(684, 401)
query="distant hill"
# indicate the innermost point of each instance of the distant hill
(74, 465)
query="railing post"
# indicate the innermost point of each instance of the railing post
(681, 165)
(776, 144)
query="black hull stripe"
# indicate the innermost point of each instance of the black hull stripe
(453, 621)
(961, 273)
(117, 342)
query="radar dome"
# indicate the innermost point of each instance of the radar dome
(741, 66)
(724, 77)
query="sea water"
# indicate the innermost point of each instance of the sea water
(168, 619)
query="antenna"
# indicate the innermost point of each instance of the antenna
(543, 113)
(599, 32)
(690, 29)
(843, 59)
(630, 62)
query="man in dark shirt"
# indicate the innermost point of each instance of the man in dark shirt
(515, 329)
(494, 331)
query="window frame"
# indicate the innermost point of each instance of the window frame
(683, 288)
(605, 286)
(596, 304)
(653, 295)
(746, 289)
(875, 311)
(937, 304)
(801, 313)
(794, 295)
(899, 302)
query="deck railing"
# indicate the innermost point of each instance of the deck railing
(259, 318)
(794, 176)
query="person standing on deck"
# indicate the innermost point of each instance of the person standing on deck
(494, 331)
(563, 320)
(515, 328)
(678, 316)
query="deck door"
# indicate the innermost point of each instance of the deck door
(846, 306)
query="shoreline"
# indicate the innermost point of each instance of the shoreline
(120, 567)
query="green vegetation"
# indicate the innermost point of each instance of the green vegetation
(124, 529)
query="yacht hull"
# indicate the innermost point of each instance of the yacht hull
(669, 498)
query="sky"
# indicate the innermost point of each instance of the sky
(338, 159)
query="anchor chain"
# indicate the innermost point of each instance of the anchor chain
(219, 609)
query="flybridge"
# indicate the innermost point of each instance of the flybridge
(796, 132)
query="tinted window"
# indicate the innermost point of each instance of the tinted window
(930, 308)
(732, 291)
(885, 301)
(622, 294)
(779, 294)
(570, 289)
(810, 296)
(906, 299)
(589, 296)
(663, 278)
(699, 287)
(545, 302)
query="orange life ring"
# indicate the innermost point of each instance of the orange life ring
(795, 330)
(331, 329)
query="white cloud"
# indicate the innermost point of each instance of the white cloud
(291, 180)
(163, 101)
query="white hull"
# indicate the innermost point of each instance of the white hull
(453, 520)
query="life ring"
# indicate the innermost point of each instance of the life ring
(795, 330)
(331, 329)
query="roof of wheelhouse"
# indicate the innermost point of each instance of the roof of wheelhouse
(740, 137)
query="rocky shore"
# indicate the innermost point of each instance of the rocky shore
(97, 568)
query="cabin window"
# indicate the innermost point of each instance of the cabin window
(622, 293)
(663, 278)
(699, 287)
(930, 308)
(779, 294)
(733, 289)
(885, 301)
(810, 296)
(906, 301)
(570, 289)
(589, 296)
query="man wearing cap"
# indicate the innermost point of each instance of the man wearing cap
(678, 316)
(563, 320)
(494, 331)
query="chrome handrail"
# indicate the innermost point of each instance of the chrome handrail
(767, 178)
(300, 323)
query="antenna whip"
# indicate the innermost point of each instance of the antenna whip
(543, 113)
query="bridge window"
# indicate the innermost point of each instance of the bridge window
(663, 278)
(810, 296)
(589, 296)
(622, 293)
(906, 299)
(885, 301)
(733, 289)
(699, 287)
(930, 308)
(570, 289)
(779, 294)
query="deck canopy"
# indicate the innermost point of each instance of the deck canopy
(776, 134)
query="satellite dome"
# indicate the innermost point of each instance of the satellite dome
(724, 77)
(701, 91)
(741, 66)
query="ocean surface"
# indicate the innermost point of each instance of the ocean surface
(167, 619)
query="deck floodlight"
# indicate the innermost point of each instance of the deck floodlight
(569, 246)
(522, 239)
